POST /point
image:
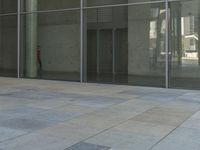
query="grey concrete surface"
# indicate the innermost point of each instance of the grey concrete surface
(55, 115)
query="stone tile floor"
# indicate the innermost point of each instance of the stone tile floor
(55, 115)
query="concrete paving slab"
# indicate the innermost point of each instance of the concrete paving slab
(75, 108)
(138, 91)
(161, 115)
(74, 133)
(144, 128)
(36, 94)
(22, 110)
(191, 96)
(87, 146)
(193, 122)
(24, 124)
(160, 96)
(180, 139)
(179, 105)
(7, 133)
(51, 104)
(35, 141)
(122, 140)
(55, 115)
(196, 115)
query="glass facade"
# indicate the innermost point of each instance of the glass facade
(8, 46)
(184, 44)
(51, 48)
(135, 42)
(8, 6)
(125, 45)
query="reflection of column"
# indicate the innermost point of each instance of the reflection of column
(179, 35)
(175, 36)
(98, 64)
(31, 39)
(84, 36)
(158, 40)
(113, 52)
(198, 45)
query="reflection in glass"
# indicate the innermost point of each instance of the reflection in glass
(51, 4)
(8, 6)
(125, 45)
(8, 46)
(57, 4)
(52, 47)
(184, 44)
(114, 2)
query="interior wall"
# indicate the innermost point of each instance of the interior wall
(92, 51)
(8, 36)
(8, 6)
(8, 42)
(105, 51)
(57, 4)
(121, 51)
(58, 37)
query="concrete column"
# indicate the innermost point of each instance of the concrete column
(138, 40)
(198, 45)
(31, 39)
(179, 35)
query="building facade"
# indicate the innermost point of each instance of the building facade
(135, 42)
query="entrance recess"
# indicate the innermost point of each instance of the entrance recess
(126, 44)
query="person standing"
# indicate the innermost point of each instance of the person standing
(39, 61)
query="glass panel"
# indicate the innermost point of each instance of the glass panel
(8, 6)
(53, 4)
(51, 48)
(184, 44)
(126, 45)
(58, 4)
(114, 2)
(8, 46)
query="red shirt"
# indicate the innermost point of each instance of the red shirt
(38, 54)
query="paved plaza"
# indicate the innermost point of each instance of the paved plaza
(56, 115)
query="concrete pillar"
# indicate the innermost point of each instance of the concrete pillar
(31, 39)
(198, 22)
(138, 40)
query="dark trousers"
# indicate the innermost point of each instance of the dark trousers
(40, 63)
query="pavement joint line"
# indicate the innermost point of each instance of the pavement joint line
(154, 145)
(120, 121)
(77, 117)
(9, 139)
(57, 123)
(108, 128)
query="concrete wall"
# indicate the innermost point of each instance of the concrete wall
(138, 40)
(59, 38)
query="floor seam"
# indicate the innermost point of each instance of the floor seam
(109, 128)
(154, 145)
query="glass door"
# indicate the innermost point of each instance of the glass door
(184, 44)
